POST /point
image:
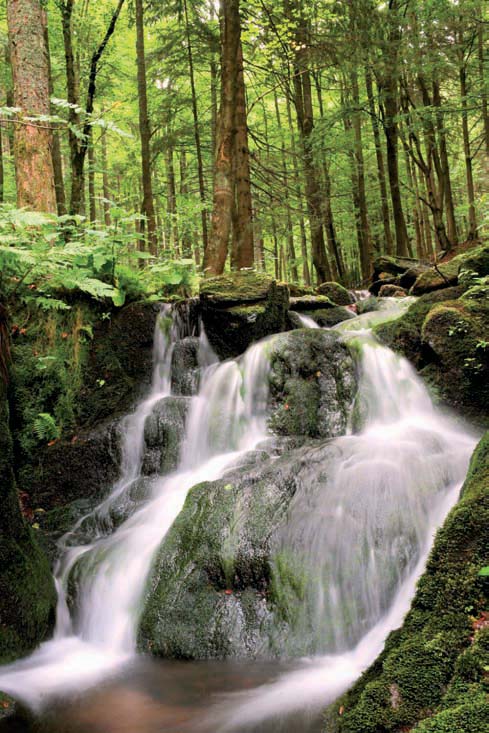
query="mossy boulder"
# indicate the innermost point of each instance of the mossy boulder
(474, 262)
(456, 333)
(27, 593)
(241, 308)
(445, 334)
(404, 333)
(164, 431)
(385, 264)
(312, 384)
(336, 292)
(222, 585)
(311, 302)
(325, 317)
(432, 675)
(392, 291)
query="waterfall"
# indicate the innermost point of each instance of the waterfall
(227, 418)
(363, 530)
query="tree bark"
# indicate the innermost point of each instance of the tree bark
(198, 145)
(472, 229)
(216, 253)
(243, 232)
(379, 155)
(32, 140)
(145, 133)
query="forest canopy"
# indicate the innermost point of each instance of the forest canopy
(299, 138)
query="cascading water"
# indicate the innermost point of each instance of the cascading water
(361, 529)
(227, 418)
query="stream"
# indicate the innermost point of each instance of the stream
(391, 486)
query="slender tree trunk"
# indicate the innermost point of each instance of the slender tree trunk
(472, 232)
(145, 132)
(32, 140)
(285, 174)
(92, 199)
(305, 123)
(306, 273)
(195, 114)
(172, 198)
(243, 232)
(186, 228)
(379, 155)
(445, 178)
(366, 250)
(2, 172)
(56, 148)
(483, 82)
(105, 180)
(338, 268)
(223, 196)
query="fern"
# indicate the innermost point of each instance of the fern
(45, 427)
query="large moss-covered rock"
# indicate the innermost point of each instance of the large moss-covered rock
(27, 594)
(432, 674)
(184, 366)
(404, 333)
(222, 585)
(446, 335)
(83, 467)
(240, 308)
(336, 292)
(474, 262)
(311, 302)
(164, 431)
(312, 383)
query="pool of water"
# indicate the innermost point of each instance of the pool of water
(153, 696)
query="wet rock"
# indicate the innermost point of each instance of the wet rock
(368, 305)
(312, 384)
(83, 467)
(437, 660)
(409, 277)
(184, 367)
(241, 308)
(211, 594)
(327, 318)
(336, 292)
(164, 431)
(445, 335)
(392, 291)
(27, 593)
(392, 265)
(310, 302)
(378, 284)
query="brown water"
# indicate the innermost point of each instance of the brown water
(161, 696)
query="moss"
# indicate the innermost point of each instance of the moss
(236, 288)
(447, 273)
(436, 662)
(326, 318)
(27, 594)
(404, 333)
(311, 302)
(336, 292)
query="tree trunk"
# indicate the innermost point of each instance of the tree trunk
(145, 132)
(198, 146)
(472, 230)
(305, 123)
(223, 195)
(92, 201)
(32, 140)
(483, 83)
(105, 180)
(56, 148)
(243, 232)
(290, 227)
(389, 244)
(366, 249)
(306, 273)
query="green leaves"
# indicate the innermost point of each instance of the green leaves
(45, 427)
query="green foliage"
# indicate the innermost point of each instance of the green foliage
(45, 427)
(46, 261)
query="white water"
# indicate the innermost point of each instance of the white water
(408, 461)
(226, 419)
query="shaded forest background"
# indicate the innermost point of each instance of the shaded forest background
(299, 138)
